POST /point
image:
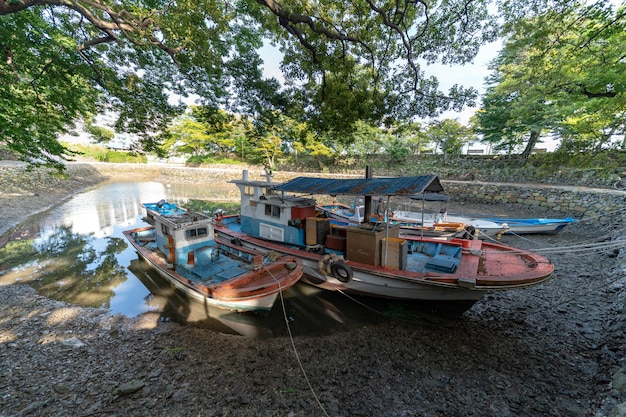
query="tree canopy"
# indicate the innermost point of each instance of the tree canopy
(560, 72)
(345, 65)
(343, 61)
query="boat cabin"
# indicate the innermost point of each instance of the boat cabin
(160, 208)
(269, 212)
(272, 215)
(185, 237)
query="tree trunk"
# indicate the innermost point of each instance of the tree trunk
(532, 141)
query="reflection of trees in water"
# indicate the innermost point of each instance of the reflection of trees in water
(173, 304)
(207, 206)
(16, 253)
(65, 266)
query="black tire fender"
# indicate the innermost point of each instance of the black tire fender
(341, 271)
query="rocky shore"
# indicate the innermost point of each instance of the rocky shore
(555, 349)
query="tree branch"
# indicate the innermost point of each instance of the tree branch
(285, 16)
(133, 28)
(604, 94)
(8, 58)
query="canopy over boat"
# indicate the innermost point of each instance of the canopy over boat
(403, 186)
(429, 196)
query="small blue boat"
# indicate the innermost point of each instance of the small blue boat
(161, 208)
(487, 224)
(533, 225)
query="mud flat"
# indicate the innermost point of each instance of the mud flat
(555, 349)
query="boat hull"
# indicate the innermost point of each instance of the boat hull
(253, 291)
(377, 281)
(534, 226)
(483, 228)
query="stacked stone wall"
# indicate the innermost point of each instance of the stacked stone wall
(549, 200)
(546, 200)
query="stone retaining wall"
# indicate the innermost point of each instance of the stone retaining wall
(597, 204)
(593, 204)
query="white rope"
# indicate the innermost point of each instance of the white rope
(293, 345)
(585, 247)
(484, 236)
(577, 295)
(580, 248)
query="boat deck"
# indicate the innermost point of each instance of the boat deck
(422, 256)
(432, 258)
(215, 272)
(206, 273)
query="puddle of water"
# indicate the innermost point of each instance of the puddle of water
(76, 253)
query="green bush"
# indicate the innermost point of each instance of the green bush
(103, 154)
(95, 152)
(125, 157)
(198, 160)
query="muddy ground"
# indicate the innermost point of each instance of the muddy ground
(554, 349)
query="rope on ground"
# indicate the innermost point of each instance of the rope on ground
(577, 295)
(522, 237)
(293, 345)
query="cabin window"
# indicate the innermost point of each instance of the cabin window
(165, 230)
(200, 232)
(248, 190)
(272, 210)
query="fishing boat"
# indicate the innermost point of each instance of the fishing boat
(342, 214)
(160, 208)
(484, 225)
(373, 259)
(533, 225)
(183, 249)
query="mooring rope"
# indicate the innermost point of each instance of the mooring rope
(577, 295)
(570, 249)
(293, 345)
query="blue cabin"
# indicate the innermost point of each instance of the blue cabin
(185, 237)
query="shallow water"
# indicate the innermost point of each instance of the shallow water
(76, 253)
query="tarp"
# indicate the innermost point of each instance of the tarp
(401, 186)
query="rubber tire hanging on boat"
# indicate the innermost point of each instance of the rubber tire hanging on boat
(341, 271)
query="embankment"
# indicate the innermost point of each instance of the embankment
(598, 205)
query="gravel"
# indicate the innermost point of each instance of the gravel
(555, 349)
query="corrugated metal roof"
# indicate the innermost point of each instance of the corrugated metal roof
(363, 186)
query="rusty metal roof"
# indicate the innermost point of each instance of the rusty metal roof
(363, 186)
